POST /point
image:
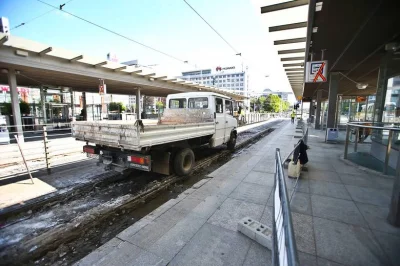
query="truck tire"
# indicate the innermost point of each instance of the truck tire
(184, 162)
(232, 141)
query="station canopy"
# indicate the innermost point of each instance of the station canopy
(354, 36)
(37, 64)
(287, 27)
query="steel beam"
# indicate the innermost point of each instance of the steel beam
(282, 6)
(45, 51)
(295, 40)
(292, 58)
(76, 58)
(292, 51)
(294, 69)
(101, 64)
(295, 64)
(119, 68)
(288, 26)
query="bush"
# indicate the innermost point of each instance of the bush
(114, 106)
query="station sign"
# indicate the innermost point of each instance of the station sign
(102, 87)
(316, 71)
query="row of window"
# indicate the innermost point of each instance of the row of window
(219, 80)
(201, 103)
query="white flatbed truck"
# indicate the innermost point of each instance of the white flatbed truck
(165, 146)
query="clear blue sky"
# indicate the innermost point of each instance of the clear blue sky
(168, 25)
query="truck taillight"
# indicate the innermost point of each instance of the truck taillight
(139, 160)
(90, 149)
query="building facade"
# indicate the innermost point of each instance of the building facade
(227, 78)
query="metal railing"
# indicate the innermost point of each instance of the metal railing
(386, 134)
(42, 148)
(284, 243)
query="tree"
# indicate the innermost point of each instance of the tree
(24, 108)
(116, 106)
(262, 101)
(273, 103)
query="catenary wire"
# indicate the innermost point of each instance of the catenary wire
(113, 32)
(212, 28)
(41, 15)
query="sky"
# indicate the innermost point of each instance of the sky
(167, 25)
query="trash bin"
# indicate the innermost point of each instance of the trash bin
(332, 134)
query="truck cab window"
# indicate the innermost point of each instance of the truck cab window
(228, 107)
(219, 105)
(198, 103)
(177, 103)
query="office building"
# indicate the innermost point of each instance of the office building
(226, 78)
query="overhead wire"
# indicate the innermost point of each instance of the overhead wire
(213, 28)
(39, 16)
(114, 32)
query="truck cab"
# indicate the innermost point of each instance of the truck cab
(219, 105)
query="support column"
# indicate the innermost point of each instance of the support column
(332, 100)
(138, 111)
(72, 105)
(394, 210)
(84, 106)
(318, 110)
(12, 83)
(43, 100)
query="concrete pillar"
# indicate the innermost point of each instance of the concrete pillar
(72, 105)
(12, 83)
(84, 106)
(138, 109)
(380, 93)
(318, 110)
(43, 100)
(332, 99)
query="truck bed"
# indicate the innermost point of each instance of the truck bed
(127, 135)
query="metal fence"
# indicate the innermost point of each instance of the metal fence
(43, 147)
(284, 243)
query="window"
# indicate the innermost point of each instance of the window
(228, 107)
(198, 103)
(237, 79)
(228, 80)
(241, 79)
(223, 85)
(219, 106)
(177, 103)
(241, 84)
(237, 84)
(224, 81)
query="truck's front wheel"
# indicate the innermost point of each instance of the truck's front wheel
(184, 162)
(232, 141)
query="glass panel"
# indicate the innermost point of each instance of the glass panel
(219, 106)
(198, 103)
(228, 107)
(177, 103)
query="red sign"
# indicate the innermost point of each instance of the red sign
(19, 89)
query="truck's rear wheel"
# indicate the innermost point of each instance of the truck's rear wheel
(184, 162)
(232, 142)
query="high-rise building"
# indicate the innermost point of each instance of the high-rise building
(226, 78)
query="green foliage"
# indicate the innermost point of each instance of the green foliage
(116, 106)
(274, 102)
(160, 104)
(23, 107)
(271, 103)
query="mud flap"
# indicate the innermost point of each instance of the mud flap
(161, 162)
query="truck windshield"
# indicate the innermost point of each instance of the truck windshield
(198, 103)
(177, 103)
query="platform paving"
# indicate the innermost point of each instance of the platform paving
(339, 214)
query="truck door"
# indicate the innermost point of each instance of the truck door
(219, 121)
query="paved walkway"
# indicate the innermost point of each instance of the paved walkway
(338, 213)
